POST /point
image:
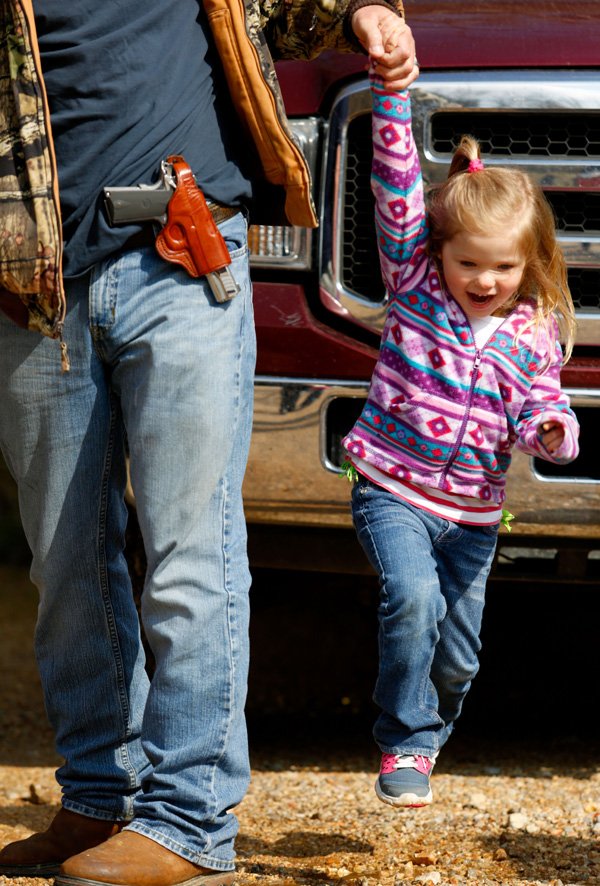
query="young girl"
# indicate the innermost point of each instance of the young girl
(469, 367)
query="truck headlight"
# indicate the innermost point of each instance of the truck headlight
(286, 246)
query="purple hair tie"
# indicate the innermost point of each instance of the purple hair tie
(475, 165)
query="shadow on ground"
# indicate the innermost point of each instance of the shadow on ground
(314, 659)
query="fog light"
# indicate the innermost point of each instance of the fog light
(279, 246)
(282, 246)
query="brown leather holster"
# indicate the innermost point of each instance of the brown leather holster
(190, 236)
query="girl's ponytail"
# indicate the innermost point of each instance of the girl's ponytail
(466, 158)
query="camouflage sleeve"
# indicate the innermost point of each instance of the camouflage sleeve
(304, 28)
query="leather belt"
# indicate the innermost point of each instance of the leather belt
(220, 212)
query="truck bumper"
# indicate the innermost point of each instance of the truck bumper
(293, 482)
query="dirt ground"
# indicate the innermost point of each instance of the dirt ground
(507, 810)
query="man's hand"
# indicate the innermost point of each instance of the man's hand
(390, 44)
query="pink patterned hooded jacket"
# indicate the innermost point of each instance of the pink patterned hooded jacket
(442, 412)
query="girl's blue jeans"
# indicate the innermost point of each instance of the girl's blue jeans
(432, 576)
(156, 358)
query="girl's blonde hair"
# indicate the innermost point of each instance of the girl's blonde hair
(479, 200)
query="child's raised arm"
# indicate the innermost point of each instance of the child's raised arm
(398, 189)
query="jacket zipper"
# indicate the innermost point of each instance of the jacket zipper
(463, 424)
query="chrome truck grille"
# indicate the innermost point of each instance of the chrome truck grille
(548, 124)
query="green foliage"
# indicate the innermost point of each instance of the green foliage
(349, 472)
(507, 519)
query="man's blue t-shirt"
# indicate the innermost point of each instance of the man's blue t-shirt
(130, 82)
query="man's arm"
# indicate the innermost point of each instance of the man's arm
(302, 29)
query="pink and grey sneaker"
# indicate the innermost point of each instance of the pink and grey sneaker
(404, 779)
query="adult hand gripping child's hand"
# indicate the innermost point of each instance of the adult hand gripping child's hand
(390, 45)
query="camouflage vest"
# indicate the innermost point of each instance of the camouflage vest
(30, 242)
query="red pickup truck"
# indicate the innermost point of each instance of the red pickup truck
(524, 78)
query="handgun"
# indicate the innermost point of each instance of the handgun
(140, 203)
(148, 203)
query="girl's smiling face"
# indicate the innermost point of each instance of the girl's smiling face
(483, 271)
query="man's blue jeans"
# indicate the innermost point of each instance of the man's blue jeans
(432, 576)
(156, 358)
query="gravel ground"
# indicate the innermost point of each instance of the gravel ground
(505, 811)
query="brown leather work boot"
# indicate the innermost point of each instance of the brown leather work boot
(130, 859)
(42, 854)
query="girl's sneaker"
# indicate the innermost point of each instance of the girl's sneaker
(404, 779)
